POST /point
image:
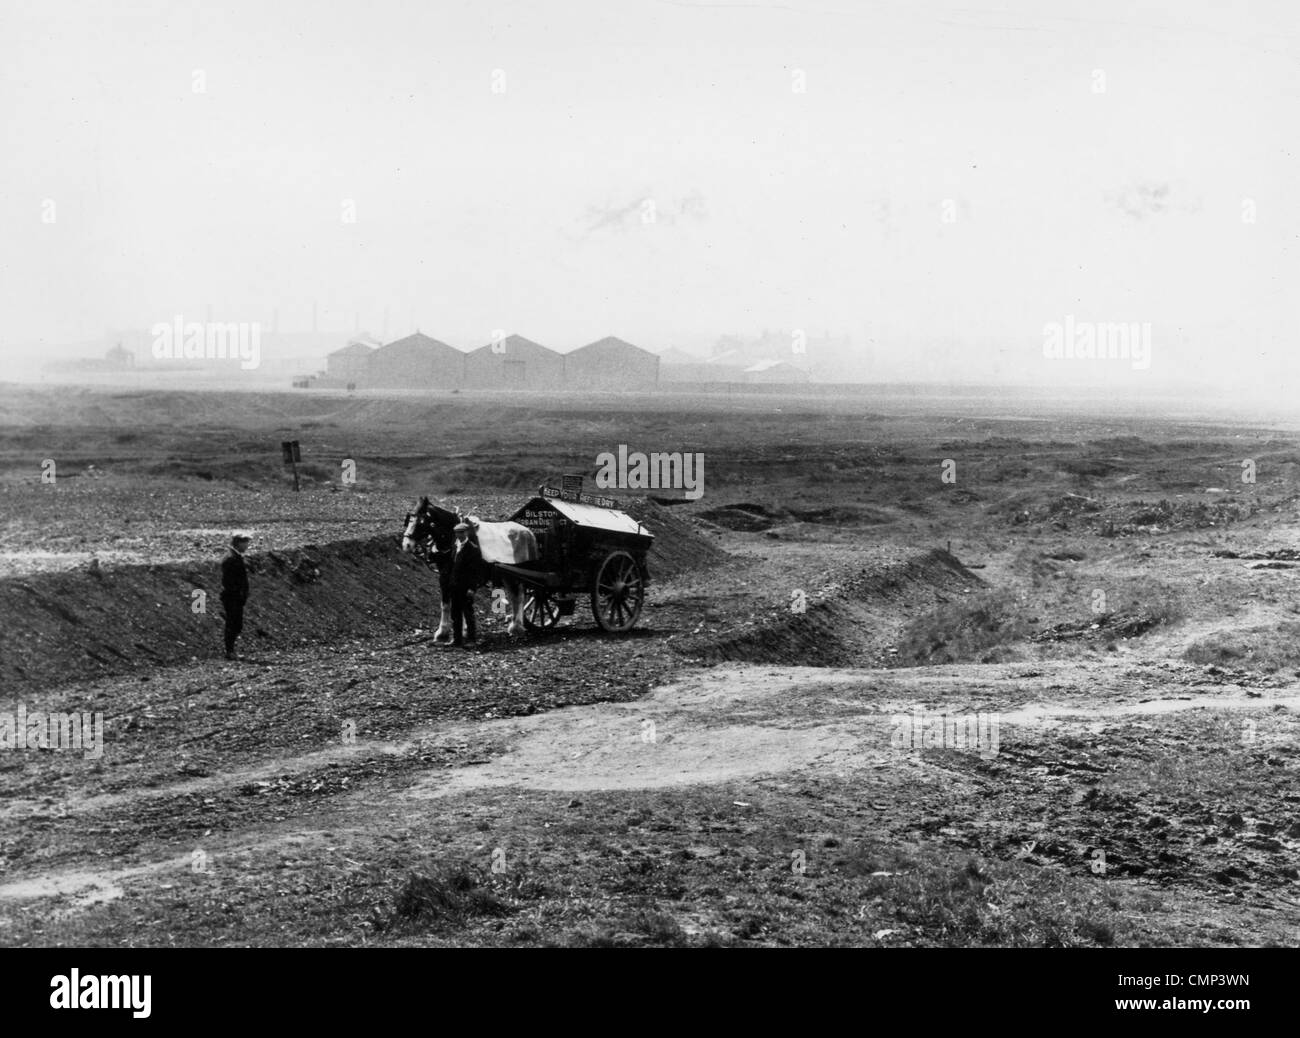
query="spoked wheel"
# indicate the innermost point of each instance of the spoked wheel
(617, 592)
(541, 611)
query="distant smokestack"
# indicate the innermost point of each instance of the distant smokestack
(385, 334)
(313, 316)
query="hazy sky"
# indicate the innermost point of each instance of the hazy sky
(499, 157)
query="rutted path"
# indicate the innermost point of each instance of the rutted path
(711, 726)
(610, 746)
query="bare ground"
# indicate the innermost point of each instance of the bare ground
(697, 782)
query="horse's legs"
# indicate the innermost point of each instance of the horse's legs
(443, 633)
(515, 592)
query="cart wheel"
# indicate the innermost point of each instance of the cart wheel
(617, 592)
(541, 611)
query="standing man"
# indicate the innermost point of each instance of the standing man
(466, 562)
(234, 590)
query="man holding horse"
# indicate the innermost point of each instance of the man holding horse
(466, 563)
(461, 550)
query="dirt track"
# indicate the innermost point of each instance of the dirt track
(746, 727)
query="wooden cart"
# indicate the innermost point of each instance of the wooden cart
(586, 547)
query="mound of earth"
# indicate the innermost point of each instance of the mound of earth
(1122, 624)
(679, 548)
(850, 624)
(90, 622)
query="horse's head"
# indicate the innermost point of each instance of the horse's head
(429, 528)
(412, 534)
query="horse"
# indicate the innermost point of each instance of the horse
(430, 535)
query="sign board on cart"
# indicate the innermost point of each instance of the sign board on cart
(578, 497)
(593, 523)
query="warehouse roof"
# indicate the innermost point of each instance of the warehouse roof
(610, 342)
(517, 344)
(417, 341)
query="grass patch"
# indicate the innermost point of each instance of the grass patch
(1265, 649)
(991, 903)
(965, 629)
(445, 897)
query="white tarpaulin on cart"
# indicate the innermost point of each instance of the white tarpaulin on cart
(505, 542)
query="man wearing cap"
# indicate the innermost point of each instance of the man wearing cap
(466, 562)
(234, 589)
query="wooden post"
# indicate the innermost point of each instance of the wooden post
(291, 457)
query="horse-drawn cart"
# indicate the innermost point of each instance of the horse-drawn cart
(586, 546)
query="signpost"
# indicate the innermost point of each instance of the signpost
(292, 455)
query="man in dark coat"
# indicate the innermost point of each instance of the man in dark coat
(466, 562)
(234, 590)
